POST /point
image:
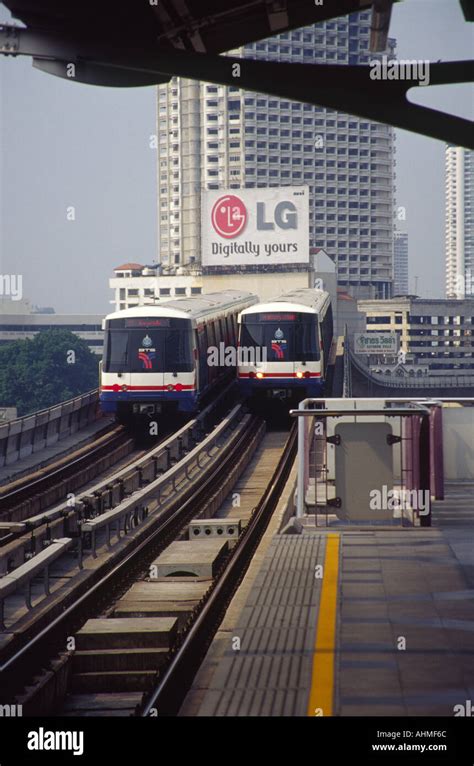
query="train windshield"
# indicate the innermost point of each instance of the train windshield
(148, 344)
(290, 337)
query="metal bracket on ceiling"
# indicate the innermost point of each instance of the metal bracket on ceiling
(277, 12)
(351, 89)
(380, 25)
(9, 39)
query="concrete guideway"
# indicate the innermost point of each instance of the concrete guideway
(58, 450)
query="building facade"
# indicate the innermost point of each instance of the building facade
(22, 326)
(437, 334)
(137, 285)
(213, 137)
(459, 222)
(400, 263)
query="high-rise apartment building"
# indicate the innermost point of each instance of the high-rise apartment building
(213, 137)
(400, 263)
(459, 222)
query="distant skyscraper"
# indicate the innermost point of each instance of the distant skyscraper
(400, 263)
(459, 222)
(213, 137)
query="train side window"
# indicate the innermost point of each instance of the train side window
(229, 337)
(202, 351)
(235, 328)
(196, 345)
(218, 332)
(213, 372)
(327, 331)
(211, 336)
(233, 324)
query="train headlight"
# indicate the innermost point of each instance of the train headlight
(116, 388)
(259, 375)
(124, 388)
(178, 387)
(251, 374)
(170, 387)
(307, 374)
(299, 374)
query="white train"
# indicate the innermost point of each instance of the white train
(284, 344)
(157, 358)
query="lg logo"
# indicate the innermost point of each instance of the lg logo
(229, 216)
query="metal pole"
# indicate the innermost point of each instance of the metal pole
(436, 453)
(425, 466)
(301, 463)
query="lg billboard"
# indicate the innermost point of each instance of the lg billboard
(255, 226)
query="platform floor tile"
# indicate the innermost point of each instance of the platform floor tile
(271, 672)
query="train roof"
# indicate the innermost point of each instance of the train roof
(196, 307)
(306, 300)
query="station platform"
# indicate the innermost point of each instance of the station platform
(349, 621)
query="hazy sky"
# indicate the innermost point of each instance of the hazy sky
(64, 144)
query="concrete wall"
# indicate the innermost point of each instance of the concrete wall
(20, 438)
(458, 443)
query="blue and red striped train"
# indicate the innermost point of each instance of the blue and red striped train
(291, 339)
(156, 358)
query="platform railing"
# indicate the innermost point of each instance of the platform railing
(422, 427)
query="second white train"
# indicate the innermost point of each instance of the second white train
(284, 345)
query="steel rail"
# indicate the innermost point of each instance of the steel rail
(172, 687)
(42, 483)
(51, 639)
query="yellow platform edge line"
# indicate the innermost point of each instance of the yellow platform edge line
(322, 680)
